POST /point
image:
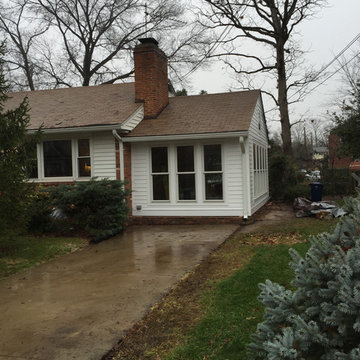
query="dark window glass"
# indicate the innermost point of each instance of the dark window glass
(185, 158)
(84, 147)
(213, 187)
(32, 164)
(160, 187)
(212, 157)
(159, 159)
(186, 186)
(84, 167)
(84, 160)
(57, 158)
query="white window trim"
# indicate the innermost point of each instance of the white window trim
(185, 173)
(260, 173)
(74, 158)
(213, 172)
(199, 173)
(162, 173)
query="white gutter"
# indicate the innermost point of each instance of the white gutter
(121, 151)
(217, 135)
(78, 129)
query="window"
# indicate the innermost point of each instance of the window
(260, 170)
(57, 158)
(69, 159)
(160, 173)
(186, 173)
(33, 163)
(84, 160)
(213, 172)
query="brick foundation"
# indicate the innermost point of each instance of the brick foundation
(184, 220)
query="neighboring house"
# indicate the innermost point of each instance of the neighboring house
(186, 158)
(335, 160)
(319, 153)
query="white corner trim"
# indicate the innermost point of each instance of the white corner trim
(219, 135)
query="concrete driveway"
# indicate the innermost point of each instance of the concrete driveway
(79, 305)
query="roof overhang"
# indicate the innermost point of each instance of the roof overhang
(219, 135)
(95, 128)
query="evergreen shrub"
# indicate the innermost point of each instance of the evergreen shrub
(320, 319)
(336, 181)
(97, 207)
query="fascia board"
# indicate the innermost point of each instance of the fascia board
(186, 136)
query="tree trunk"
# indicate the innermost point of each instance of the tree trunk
(283, 102)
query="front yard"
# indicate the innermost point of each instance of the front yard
(19, 252)
(213, 311)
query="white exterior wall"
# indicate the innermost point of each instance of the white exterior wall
(231, 205)
(259, 137)
(103, 156)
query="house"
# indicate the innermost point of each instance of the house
(186, 159)
(335, 160)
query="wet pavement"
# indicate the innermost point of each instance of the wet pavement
(79, 305)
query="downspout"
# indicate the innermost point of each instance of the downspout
(245, 170)
(121, 153)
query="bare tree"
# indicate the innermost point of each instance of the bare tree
(21, 32)
(84, 42)
(271, 24)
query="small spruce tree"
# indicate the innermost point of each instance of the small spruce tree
(320, 320)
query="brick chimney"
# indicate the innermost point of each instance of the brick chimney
(151, 77)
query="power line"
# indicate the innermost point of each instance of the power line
(335, 72)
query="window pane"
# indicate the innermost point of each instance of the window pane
(33, 170)
(185, 158)
(159, 159)
(84, 147)
(213, 187)
(57, 158)
(212, 157)
(84, 167)
(186, 187)
(160, 187)
(32, 164)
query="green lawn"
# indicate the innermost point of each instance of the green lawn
(20, 252)
(231, 309)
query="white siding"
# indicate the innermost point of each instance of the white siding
(259, 137)
(104, 161)
(232, 205)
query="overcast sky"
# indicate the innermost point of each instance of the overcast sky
(325, 36)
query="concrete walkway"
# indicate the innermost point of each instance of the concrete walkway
(79, 305)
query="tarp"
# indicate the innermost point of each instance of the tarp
(304, 207)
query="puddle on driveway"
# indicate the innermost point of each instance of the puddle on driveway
(79, 305)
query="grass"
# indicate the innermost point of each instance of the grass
(213, 311)
(20, 252)
(232, 310)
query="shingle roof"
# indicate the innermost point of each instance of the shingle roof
(212, 113)
(80, 106)
(113, 104)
